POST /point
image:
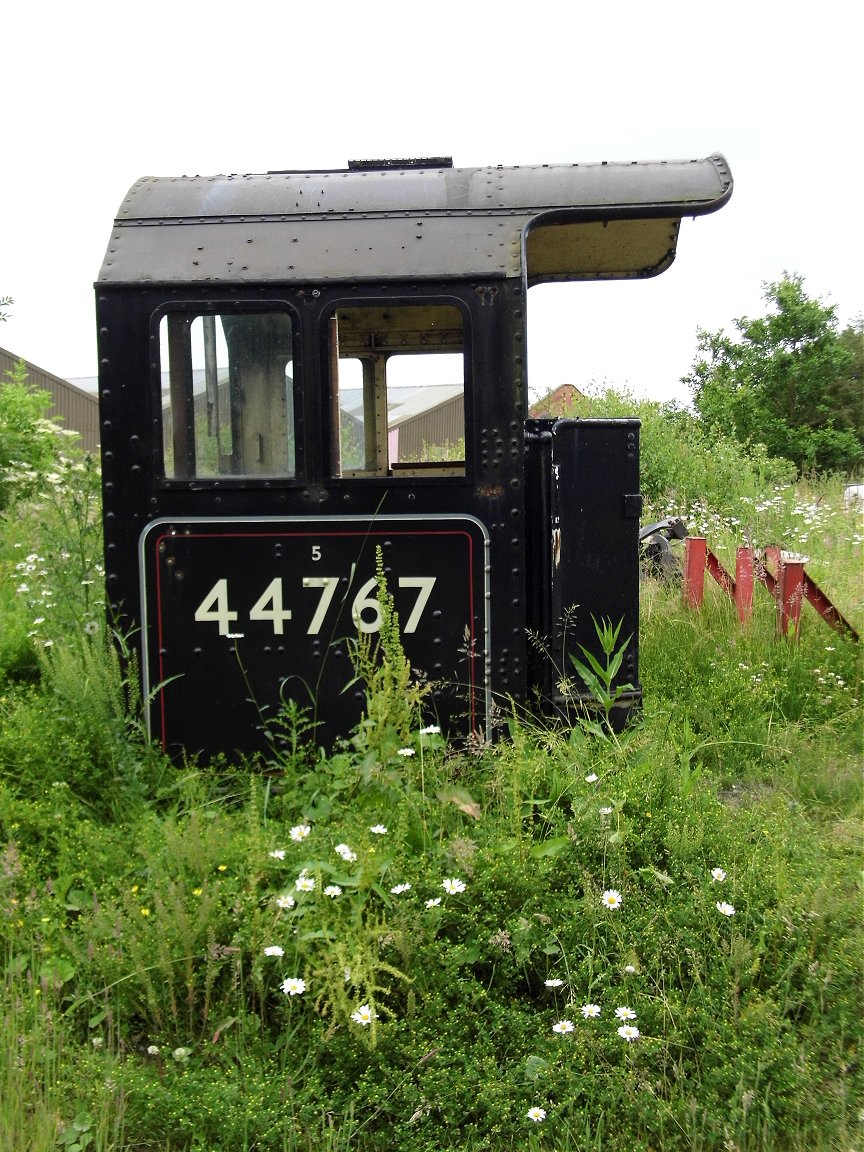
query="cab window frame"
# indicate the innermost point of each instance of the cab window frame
(451, 470)
(218, 308)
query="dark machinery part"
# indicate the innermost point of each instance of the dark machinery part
(659, 557)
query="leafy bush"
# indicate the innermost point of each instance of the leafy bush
(680, 464)
(28, 441)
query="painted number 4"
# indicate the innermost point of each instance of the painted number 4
(214, 607)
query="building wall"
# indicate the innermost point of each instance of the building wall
(442, 425)
(70, 407)
(557, 403)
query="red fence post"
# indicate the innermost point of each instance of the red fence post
(772, 555)
(693, 588)
(790, 591)
(744, 583)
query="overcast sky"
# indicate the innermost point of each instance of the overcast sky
(96, 95)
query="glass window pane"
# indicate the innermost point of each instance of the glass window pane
(227, 394)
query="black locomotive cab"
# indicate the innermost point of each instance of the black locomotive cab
(301, 372)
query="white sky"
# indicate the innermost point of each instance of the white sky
(96, 95)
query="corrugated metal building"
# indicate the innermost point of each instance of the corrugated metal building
(71, 407)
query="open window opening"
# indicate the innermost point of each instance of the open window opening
(397, 391)
(227, 394)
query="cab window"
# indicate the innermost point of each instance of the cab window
(227, 394)
(397, 391)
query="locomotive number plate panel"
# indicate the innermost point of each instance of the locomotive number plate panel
(241, 614)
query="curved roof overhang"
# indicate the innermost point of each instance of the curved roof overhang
(547, 222)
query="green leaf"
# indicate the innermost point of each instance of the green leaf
(662, 878)
(463, 801)
(57, 970)
(535, 1067)
(222, 1028)
(551, 847)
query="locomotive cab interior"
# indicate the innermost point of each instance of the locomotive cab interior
(388, 366)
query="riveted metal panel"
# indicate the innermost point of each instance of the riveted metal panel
(375, 223)
(320, 249)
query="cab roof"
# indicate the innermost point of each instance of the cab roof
(415, 220)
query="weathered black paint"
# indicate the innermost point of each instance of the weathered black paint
(549, 508)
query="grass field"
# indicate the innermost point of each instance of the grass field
(568, 940)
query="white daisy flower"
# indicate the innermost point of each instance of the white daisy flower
(454, 885)
(364, 1015)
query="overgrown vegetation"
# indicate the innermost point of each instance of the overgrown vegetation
(570, 940)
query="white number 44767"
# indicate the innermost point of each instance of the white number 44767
(365, 609)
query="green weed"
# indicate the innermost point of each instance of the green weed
(560, 941)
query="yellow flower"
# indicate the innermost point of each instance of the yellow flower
(145, 911)
(196, 891)
(222, 867)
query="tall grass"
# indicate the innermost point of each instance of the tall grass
(413, 946)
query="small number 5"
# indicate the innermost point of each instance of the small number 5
(316, 551)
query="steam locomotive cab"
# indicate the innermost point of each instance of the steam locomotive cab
(303, 372)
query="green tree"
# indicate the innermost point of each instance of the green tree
(849, 388)
(787, 380)
(5, 301)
